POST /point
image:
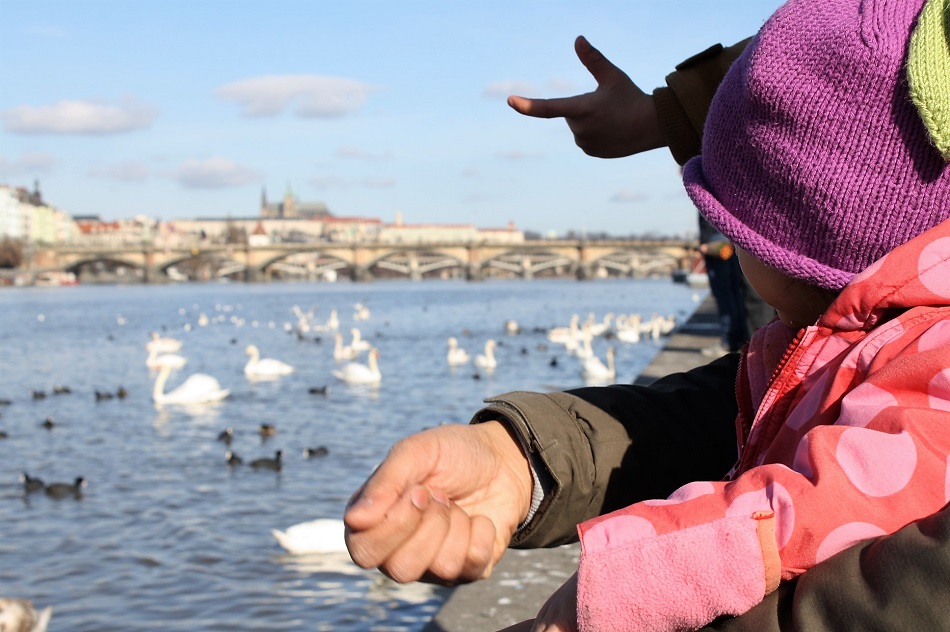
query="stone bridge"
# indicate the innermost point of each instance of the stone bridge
(365, 261)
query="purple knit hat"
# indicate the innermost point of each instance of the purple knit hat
(814, 159)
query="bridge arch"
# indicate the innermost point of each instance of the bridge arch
(307, 264)
(417, 264)
(529, 264)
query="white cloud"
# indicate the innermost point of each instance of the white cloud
(626, 196)
(78, 117)
(214, 173)
(360, 154)
(328, 182)
(379, 183)
(514, 154)
(315, 96)
(503, 89)
(129, 171)
(30, 162)
(561, 86)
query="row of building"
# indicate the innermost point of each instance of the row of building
(26, 218)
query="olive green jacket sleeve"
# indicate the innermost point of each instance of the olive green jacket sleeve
(682, 104)
(603, 448)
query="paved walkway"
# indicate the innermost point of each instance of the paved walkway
(523, 580)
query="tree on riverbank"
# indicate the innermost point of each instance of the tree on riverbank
(11, 253)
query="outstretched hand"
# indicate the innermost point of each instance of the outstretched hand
(443, 505)
(617, 119)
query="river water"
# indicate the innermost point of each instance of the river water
(166, 535)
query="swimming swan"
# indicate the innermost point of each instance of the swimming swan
(358, 343)
(163, 345)
(316, 536)
(267, 367)
(199, 388)
(156, 361)
(456, 355)
(356, 373)
(487, 360)
(593, 368)
(341, 352)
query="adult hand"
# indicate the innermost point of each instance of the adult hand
(442, 506)
(617, 119)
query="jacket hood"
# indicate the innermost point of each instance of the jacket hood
(913, 274)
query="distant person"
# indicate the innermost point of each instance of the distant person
(849, 440)
(728, 287)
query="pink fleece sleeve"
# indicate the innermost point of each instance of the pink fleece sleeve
(737, 565)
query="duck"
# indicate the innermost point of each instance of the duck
(31, 484)
(199, 388)
(268, 464)
(121, 393)
(163, 345)
(226, 436)
(103, 395)
(318, 390)
(456, 356)
(487, 359)
(156, 360)
(59, 389)
(356, 373)
(323, 535)
(267, 430)
(62, 490)
(19, 615)
(232, 459)
(315, 452)
(594, 369)
(267, 367)
(48, 423)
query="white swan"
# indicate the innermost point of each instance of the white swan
(487, 360)
(332, 324)
(361, 312)
(341, 352)
(156, 361)
(593, 369)
(266, 367)
(199, 388)
(628, 328)
(316, 536)
(20, 614)
(585, 350)
(358, 343)
(163, 345)
(601, 328)
(565, 334)
(356, 373)
(456, 356)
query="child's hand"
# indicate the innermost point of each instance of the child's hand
(617, 119)
(558, 614)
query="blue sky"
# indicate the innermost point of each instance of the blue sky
(187, 108)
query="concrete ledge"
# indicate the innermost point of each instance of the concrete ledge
(523, 580)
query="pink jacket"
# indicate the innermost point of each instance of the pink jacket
(844, 434)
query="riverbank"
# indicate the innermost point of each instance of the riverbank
(523, 580)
